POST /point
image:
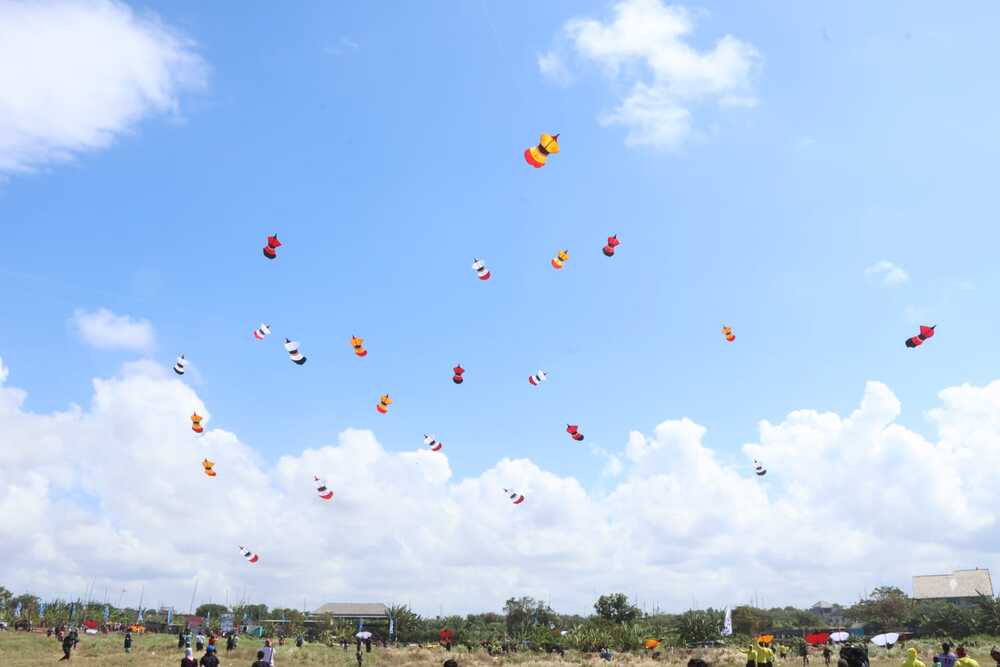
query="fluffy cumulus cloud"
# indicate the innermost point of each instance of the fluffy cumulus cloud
(886, 274)
(103, 329)
(114, 490)
(77, 73)
(647, 46)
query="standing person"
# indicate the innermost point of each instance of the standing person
(995, 654)
(368, 645)
(752, 656)
(963, 658)
(200, 641)
(209, 659)
(180, 638)
(230, 642)
(826, 654)
(765, 656)
(260, 660)
(67, 647)
(359, 657)
(804, 652)
(188, 659)
(946, 657)
(911, 659)
(128, 641)
(268, 652)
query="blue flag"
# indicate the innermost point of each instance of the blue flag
(72, 610)
(41, 609)
(139, 620)
(392, 625)
(107, 613)
(208, 617)
(170, 616)
(361, 624)
(17, 610)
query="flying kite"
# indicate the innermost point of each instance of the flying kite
(457, 377)
(383, 404)
(918, 340)
(432, 443)
(293, 352)
(479, 266)
(270, 250)
(358, 345)
(574, 432)
(207, 465)
(609, 249)
(515, 497)
(261, 332)
(180, 365)
(324, 493)
(727, 331)
(537, 378)
(759, 468)
(538, 155)
(561, 257)
(196, 423)
(249, 555)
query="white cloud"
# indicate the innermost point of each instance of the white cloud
(647, 44)
(551, 65)
(886, 274)
(844, 497)
(103, 329)
(75, 74)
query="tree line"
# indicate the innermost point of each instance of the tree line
(615, 623)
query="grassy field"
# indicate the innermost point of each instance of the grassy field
(30, 650)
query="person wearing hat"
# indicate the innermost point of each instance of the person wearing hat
(209, 659)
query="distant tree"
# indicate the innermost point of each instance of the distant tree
(524, 613)
(751, 620)
(886, 608)
(215, 609)
(616, 608)
(943, 619)
(407, 623)
(988, 615)
(698, 626)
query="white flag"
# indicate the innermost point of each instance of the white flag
(727, 625)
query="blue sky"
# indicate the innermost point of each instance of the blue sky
(382, 143)
(383, 146)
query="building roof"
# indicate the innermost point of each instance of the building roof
(822, 604)
(958, 584)
(354, 609)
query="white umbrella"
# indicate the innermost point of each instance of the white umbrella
(888, 639)
(364, 634)
(839, 636)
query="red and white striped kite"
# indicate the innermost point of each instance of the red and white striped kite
(261, 332)
(322, 490)
(250, 556)
(432, 443)
(514, 496)
(479, 266)
(537, 378)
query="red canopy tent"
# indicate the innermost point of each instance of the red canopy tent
(818, 638)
